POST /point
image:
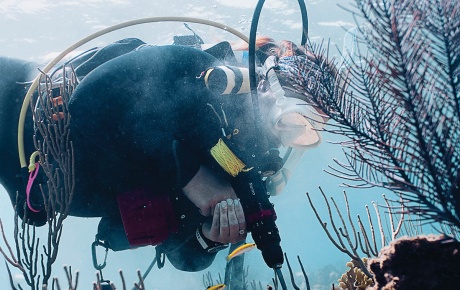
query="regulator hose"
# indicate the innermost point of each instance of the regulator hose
(252, 55)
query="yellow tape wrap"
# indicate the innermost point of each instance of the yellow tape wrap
(227, 159)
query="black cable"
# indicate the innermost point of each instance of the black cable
(252, 57)
(264, 232)
(252, 68)
(303, 11)
(147, 272)
(279, 274)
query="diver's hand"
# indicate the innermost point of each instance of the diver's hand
(228, 223)
(206, 190)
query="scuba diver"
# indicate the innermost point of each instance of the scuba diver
(153, 130)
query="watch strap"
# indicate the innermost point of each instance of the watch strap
(207, 244)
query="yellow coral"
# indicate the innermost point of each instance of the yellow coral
(355, 278)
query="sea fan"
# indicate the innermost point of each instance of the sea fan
(397, 102)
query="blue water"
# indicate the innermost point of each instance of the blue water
(37, 30)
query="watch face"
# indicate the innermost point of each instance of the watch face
(217, 248)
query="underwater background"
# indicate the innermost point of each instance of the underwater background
(38, 30)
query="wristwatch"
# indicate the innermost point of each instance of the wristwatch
(208, 245)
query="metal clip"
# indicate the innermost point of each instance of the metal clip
(96, 265)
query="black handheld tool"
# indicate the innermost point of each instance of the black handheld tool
(260, 215)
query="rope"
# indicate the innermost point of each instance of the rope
(227, 159)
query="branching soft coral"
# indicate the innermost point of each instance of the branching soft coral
(398, 103)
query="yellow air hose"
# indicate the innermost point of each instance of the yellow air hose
(51, 64)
